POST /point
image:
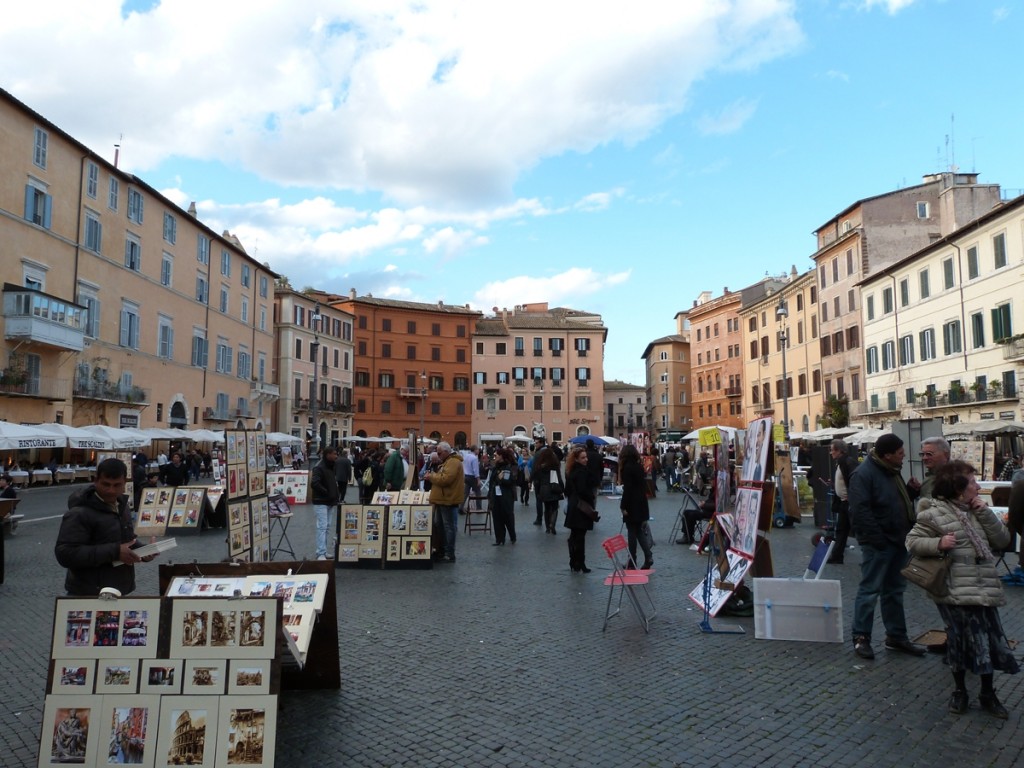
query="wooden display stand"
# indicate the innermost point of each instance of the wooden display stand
(322, 669)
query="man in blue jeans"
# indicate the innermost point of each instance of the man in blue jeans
(324, 485)
(881, 515)
(447, 492)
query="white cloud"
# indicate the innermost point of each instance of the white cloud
(563, 289)
(444, 102)
(891, 7)
(728, 120)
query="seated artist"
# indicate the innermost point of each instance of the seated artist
(691, 516)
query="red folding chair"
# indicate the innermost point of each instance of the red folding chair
(627, 583)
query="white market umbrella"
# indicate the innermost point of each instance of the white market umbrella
(122, 438)
(519, 439)
(609, 440)
(278, 438)
(15, 437)
(864, 436)
(76, 437)
(729, 432)
(205, 436)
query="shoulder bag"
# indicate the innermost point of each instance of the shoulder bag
(587, 510)
(929, 573)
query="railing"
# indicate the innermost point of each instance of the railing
(114, 393)
(1012, 350)
(45, 389)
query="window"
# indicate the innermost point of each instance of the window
(518, 345)
(385, 350)
(202, 290)
(801, 384)
(1002, 327)
(977, 330)
(836, 308)
(503, 377)
(132, 253)
(135, 206)
(171, 229)
(582, 402)
(92, 180)
(479, 377)
(557, 376)
(849, 261)
(165, 337)
(386, 380)
(851, 301)
(948, 280)
(999, 250)
(555, 345)
(410, 352)
(244, 314)
(582, 376)
(166, 269)
(385, 325)
(435, 329)
(869, 307)
(93, 232)
(460, 355)
(852, 337)
(537, 374)
(38, 206)
(816, 381)
(922, 210)
(39, 148)
(926, 344)
(224, 296)
(872, 359)
(887, 304)
(951, 336)
(263, 286)
(246, 275)
(582, 346)
(973, 269)
(907, 350)
(500, 347)
(904, 291)
(538, 346)
(824, 312)
(91, 303)
(200, 348)
(263, 318)
(129, 336)
(362, 378)
(835, 270)
(224, 356)
(113, 193)
(460, 331)
(225, 259)
(821, 275)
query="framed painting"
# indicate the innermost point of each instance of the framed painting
(348, 553)
(298, 622)
(369, 552)
(205, 676)
(161, 676)
(222, 629)
(231, 445)
(117, 676)
(249, 677)
(93, 628)
(393, 552)
(420, 525)
(146, 522)
(71, 730)
(373, 521)
(261, 451)
(310, 590)
(416, 548)
(187, 733)
(129, 730)
(247, 731)
(72, 676)
(398, 520)
(351, 523)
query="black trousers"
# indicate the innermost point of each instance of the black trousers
(841, 513)
(577, 548)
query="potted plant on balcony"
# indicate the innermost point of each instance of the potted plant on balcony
(978, 389)
(14, 376)
(995, 387)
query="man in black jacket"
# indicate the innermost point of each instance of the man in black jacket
(174, 472)
(343, 473)
(97, 532)
(882, 514)
(324, 485)
(845, 466)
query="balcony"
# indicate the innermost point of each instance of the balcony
(416, 392)
(323, 406)
(90, 389)
(214, 414)
(262, 390)
(38, 317)
(733, 392)
(17, 384)
(1013, 350)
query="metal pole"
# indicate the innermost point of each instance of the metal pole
(314, 401)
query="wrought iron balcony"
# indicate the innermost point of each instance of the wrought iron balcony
(15, 383)
(113, 392)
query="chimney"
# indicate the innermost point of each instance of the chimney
(192, 209)
(351, 294)
(117, 154)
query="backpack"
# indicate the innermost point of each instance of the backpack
(368, 476)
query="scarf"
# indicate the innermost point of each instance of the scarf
(980, 545)
(908, 505)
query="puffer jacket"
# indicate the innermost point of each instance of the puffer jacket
(970, 582)
(447, 483)
(89, 541)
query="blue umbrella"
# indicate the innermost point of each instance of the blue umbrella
(582, 440)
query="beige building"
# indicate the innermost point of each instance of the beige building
(667, 363)
(941, 330)
(624, 409)
(784, 317)
(313, 363)
(119, 307)
(867, 236)
(534, 366)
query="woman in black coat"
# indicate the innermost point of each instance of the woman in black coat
(578, 488)
(548, 486)
(501, 495)
(635, 511)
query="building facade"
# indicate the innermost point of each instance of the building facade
(412, 368)
(540, 370)
(119, 307)
(942, 333)
(667, 363)
(625, 406)
(313, 365)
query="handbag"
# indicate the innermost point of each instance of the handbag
(929, 573)
(552, 490)
(588, 511)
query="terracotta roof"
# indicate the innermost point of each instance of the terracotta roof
(418, 306)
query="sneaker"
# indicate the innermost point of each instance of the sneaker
(904, 645)
(322, 557)
(862, 647)
(958, 703)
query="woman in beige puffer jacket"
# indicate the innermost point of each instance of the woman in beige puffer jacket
(957, 522)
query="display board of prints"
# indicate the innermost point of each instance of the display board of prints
(717, 586)
(980, 454)
(292, 484)
(755, 451)
(123, 697)
(395, 532)
(248, 512)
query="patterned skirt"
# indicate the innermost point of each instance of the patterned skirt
(975, 640)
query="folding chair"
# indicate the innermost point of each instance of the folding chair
(822, 552)
(679, 526)
(626, 582)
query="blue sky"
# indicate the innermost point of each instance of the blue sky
(493, 154)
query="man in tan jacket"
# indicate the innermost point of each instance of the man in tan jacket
(447, 492)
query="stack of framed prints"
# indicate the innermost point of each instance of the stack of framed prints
(180, 509)
(248, 512)
(389, 535)
(162, 681)
(292, 484)
(309, 614)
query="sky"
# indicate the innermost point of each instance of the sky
(609, 157)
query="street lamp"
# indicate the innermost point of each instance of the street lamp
(538, 382)
(423, 399)
(314, 400)
(668, 413)
(781, 313)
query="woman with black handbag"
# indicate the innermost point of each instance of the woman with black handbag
(580, 511)
(548, 485)
(635, 510)
(501, 495)
(970, 531)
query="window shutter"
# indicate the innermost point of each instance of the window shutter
(125, 328)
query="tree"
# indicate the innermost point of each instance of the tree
(837, 412)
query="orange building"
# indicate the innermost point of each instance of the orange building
(412, 367)
(716, 363)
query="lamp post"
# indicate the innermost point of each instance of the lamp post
(668, 413)
(314, 400)
(539, 384)
(423, 399)
(781, 313)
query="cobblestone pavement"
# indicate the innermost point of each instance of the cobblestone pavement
(499, 660)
